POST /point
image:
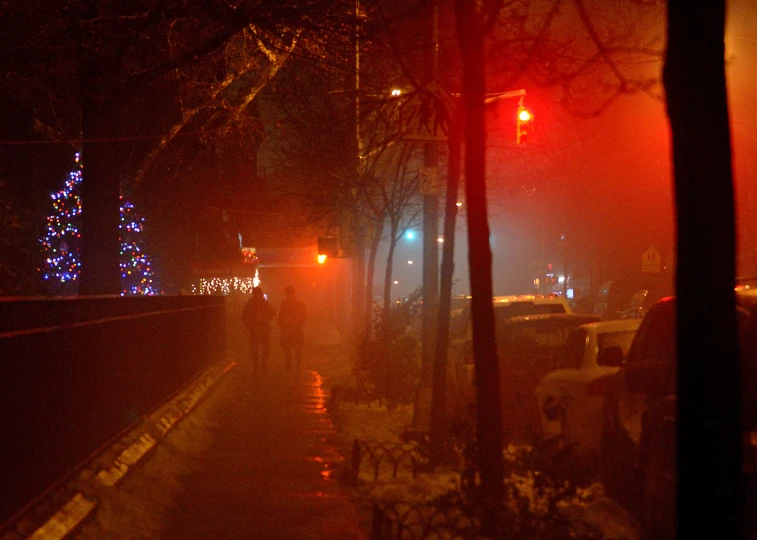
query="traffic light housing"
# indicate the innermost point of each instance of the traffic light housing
(549, 275)
(523, 120)
(328, 246)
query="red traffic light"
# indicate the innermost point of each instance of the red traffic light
(524, 118)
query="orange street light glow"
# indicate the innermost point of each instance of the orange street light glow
(322, 258)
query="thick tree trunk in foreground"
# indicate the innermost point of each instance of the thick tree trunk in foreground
(710, 496)
(488, 411)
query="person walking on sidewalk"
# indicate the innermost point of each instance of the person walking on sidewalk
(292, 318)
(256, 317)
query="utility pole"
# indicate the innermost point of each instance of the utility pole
(430, 191)
(357, 227)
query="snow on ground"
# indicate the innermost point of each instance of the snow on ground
(375, 422)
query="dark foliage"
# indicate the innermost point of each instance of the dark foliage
(521, 517)
(388, 364)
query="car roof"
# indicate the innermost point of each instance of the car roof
(746, 296)
(537, 318)
(510, 298)
(619, 325)
(534, 298)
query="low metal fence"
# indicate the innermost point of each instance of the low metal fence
(387, 457)
(406, 521)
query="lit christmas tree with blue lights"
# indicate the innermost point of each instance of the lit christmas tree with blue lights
(136, 266)
(61, 244)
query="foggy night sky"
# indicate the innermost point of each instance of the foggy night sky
(609, 189)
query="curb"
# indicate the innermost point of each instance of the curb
(62, 510)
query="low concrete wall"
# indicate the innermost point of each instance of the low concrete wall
(76, 372)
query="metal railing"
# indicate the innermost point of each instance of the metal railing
(406, 521)
(387, 457)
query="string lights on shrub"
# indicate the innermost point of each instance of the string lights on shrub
(226, 285)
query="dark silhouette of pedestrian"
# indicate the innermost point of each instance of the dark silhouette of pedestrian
(256, 317)
(292, 318)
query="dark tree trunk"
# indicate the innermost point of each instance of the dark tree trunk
(103, 155)
(357, 326)
(488, 413)
(371, 271)
(388, 269)
(439, 435)
(710, 496)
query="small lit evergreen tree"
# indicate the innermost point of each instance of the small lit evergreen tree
(136, 265)
(61, 242)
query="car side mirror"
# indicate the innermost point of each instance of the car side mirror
(647, 377)
(610, 356)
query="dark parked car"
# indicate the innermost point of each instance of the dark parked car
(629, 299)
(529, 347)
(638, 442)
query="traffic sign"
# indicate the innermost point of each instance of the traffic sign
(429, 181)
(651, 261)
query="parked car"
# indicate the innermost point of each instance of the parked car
(528, 347)
(638, 441)
(627, 299)
(637, 306)
(505, 307)
(570, 408)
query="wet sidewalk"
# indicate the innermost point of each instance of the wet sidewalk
(255, 460)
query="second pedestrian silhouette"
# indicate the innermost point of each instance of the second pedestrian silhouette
(292, 318)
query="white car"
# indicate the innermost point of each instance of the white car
(570, 407)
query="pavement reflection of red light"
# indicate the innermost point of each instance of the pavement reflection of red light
(317, 399)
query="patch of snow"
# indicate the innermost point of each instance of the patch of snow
(605, 515)
(588, 509)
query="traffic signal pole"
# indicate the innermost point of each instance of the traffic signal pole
(429, 186)
(358, 307)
